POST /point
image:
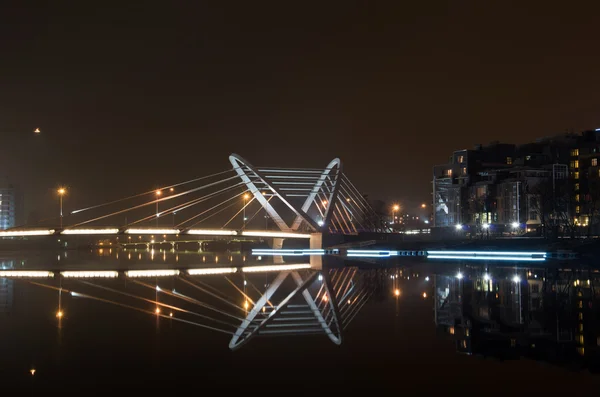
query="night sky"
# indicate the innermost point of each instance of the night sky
(136, 95)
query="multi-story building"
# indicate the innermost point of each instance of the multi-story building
(10, 207)
(502, 187)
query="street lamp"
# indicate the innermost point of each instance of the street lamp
(395, 208)
(158, 194)
(61, 192)
(246, 197)
(423, 205)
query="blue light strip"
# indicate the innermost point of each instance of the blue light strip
(487, 253)
(489, 258)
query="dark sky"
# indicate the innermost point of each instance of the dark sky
(140, 94)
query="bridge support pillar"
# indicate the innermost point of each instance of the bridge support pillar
(277, 244)
(316, 242)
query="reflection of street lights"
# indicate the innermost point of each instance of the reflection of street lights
(246, 197)
(158, 194)
(61, 193)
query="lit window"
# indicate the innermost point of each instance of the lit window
(509, 160)
(576, 175)
(581, 316)
(580, 339)
(577, 186)
(581, 351)
(464, 170)
(451, 330)
(577, 199)
(527, 157)
(449, 172)
(575, 164)
(580, 327)
(575, 152)
(461, 159)
(577, 209)
(594, 162)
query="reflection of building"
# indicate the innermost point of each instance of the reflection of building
(6, 289)
(11, 207)
(547, 316)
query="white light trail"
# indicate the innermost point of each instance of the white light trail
(218, 270)
(90, 274)
(288, 252)
(152, 231)
(209, 232)
(274, 268)
(152, 273)
(90, 231)
(26, 273)
(23, 233)
(274, 234)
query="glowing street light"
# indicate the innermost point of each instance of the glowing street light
(424, 295)
(397, 292)
(423, 205)
(158, 194)
(61, 192)
(395, 209)
(516, 279)
(37, 131)
(246, 197)
(459, 227)
(459, 275)
(60, 314)
(515, 225)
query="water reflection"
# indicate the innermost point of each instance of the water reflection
(549, 314)
(544, 314)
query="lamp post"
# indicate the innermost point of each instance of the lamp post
(246, 197)
(61, 192)
(395, 208)
(158, 194)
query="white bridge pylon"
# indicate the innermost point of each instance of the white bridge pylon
(331, 202)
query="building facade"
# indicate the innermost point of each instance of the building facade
(552, 182)
(11, 207)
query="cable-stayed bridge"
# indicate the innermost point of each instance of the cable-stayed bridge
(243, 201)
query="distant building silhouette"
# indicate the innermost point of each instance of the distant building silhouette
(11, 207)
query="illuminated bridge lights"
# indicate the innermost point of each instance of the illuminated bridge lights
(217, 270)
(152, 273)
(274, 234)
(25, 274)
(25, 233)
(275, 268)
(488, 255)
(289, 252)
(89, 231)
(152, 231)
(209, 232)
(90, 274)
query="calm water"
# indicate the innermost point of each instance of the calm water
(417, 329)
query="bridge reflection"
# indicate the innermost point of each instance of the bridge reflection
(268, 300)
